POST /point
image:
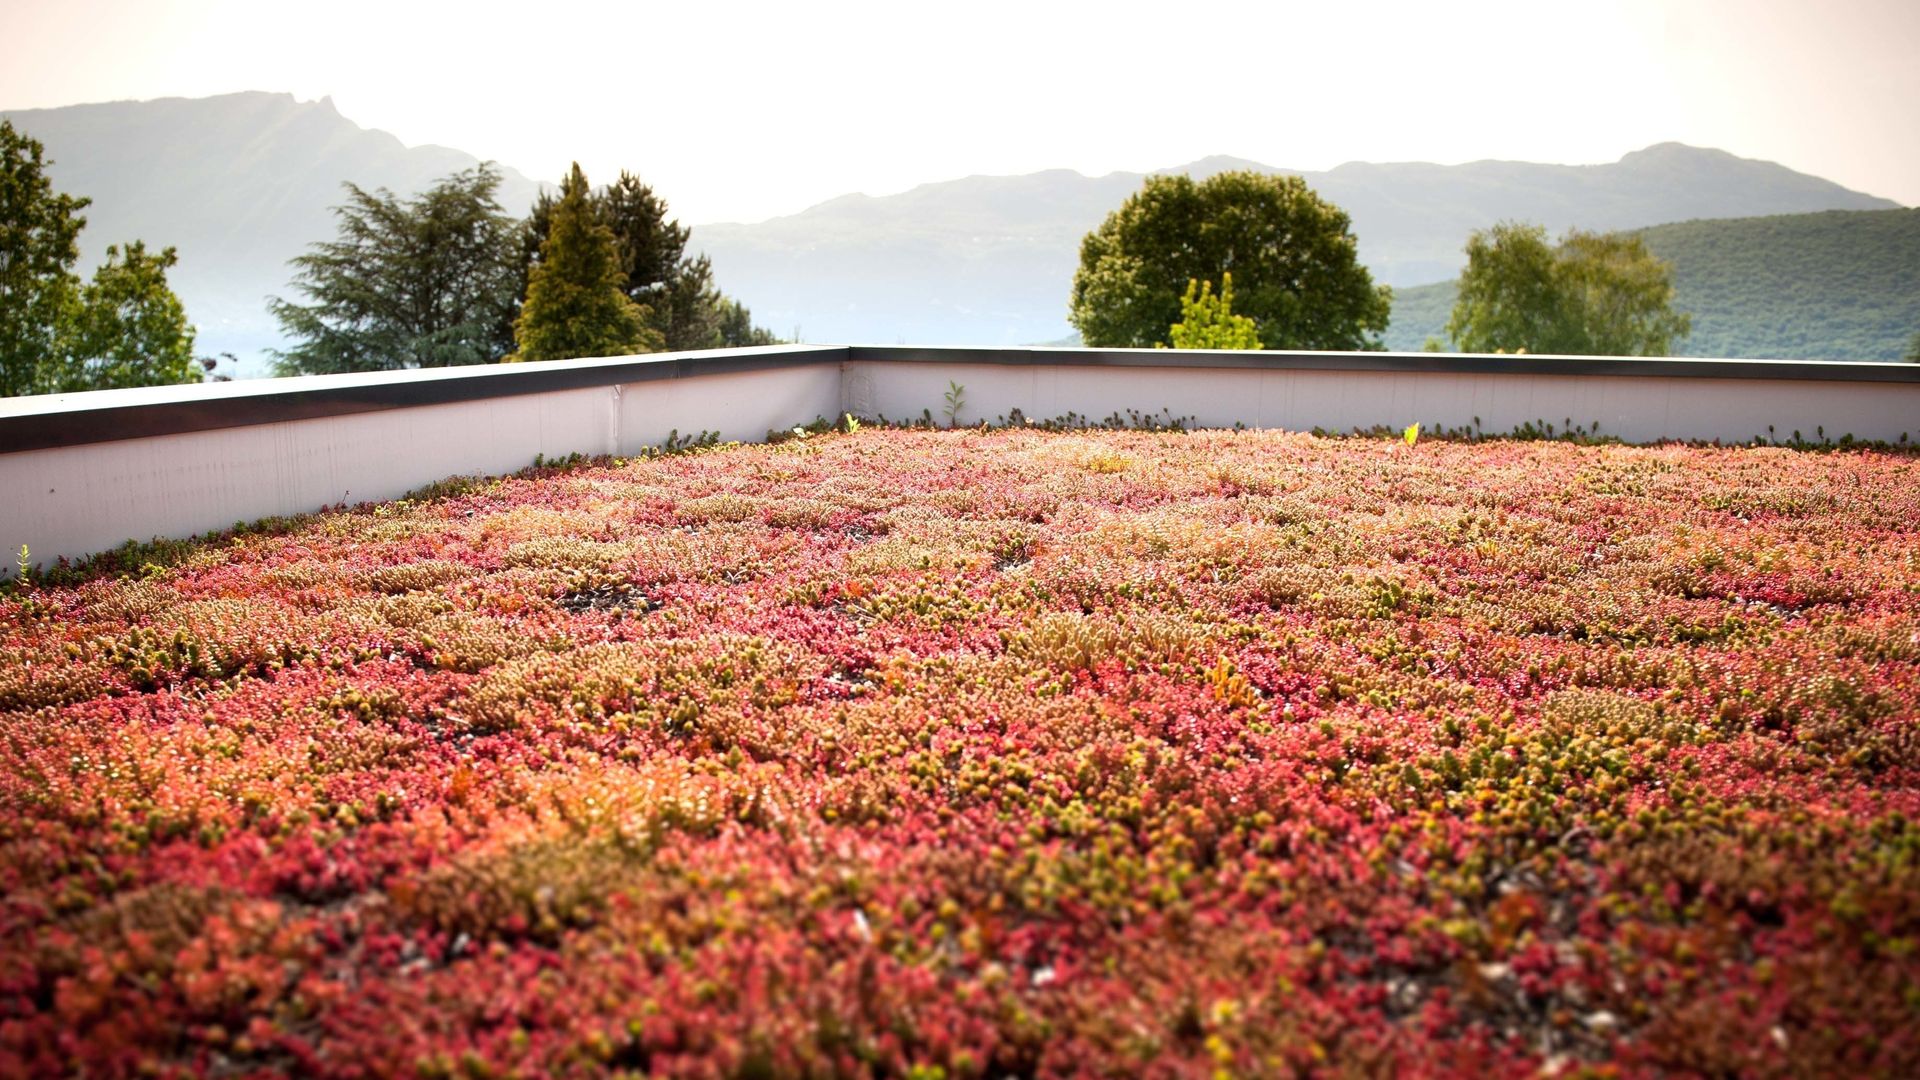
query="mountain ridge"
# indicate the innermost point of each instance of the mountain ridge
(241, 183)
(848, 268)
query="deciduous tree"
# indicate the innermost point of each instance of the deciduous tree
(39, 243)
(126, 328)
(1292, 255)
(1594, 294)
(131, 330)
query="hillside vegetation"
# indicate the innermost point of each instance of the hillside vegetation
(1838, 285)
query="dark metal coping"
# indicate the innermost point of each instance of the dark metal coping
(113, 415)
(1423, 363)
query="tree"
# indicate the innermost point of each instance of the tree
(1292, 254)
(577, 303)
(652, 249)
(678, 290)
(1208, 322)
(1595, 294)
(420, 282)
(736, 327)
(126, 328)
(131, 330)
(39, 243)
(1913, 350)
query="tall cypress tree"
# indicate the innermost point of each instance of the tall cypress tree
(576, 295)
(685, 305)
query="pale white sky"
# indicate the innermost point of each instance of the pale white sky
(736, 112)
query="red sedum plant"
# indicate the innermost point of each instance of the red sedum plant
(984, 754)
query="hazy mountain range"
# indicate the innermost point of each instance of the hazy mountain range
(239, 183)
(990, 259)
(243, 182)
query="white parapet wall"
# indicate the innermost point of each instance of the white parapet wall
(77, 499)
(83, 473)
(1675, 400)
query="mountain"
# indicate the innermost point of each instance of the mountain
(243, 182)
(990, 259)
(1839, 285)
(239, 183)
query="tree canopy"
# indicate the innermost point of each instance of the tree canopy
(683, 304)
(58, 334)
(1594, 294)
(1208, 322)
(1292, 254)
(425, 281)
(735, 324)
(577, 303)
(131, 329)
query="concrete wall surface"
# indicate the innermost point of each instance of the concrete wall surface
(76, 500)
(81, 473)
(1638, 409)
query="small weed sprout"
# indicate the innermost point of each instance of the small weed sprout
(956, 399)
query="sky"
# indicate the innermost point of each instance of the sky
(739, 112)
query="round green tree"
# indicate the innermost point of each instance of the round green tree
(1594, 294)
(1293, 257)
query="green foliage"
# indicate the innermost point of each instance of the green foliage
(577, 304)
(736, 327)
(682, 301)
(125, 328)
(1208, 322)
(1913, 350)
(420, 282)
(956, 399)
(1839, 285)
(131, 329)
(1595, 294)
(1294, 254)
(39, 231)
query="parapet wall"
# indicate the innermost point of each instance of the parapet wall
(81, 473)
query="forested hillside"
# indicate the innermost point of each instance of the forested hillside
(1838, 285)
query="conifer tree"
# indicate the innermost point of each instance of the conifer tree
(576, 295)
(424, 281)
(1208, 322)
(678, 289)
